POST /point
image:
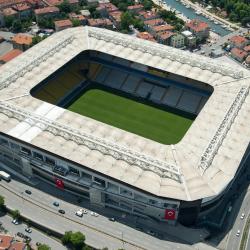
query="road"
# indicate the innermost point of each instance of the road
(35, 235)
(118, 235)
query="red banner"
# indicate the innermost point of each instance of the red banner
(59, 183)
(169, 214)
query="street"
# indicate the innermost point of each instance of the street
(35, 235)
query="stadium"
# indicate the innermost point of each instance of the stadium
(126, 123)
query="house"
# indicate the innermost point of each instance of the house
(146, 36)
(9, 3)
(24, 10)
(248, 61)
(17, 246)
(147, 15)
(22, 41)
(46, 12)
(238, 54)
(81, 18)
(153, 22)
(7, 12)
(190, 39)
(115, 17)
(134, 9)
(199, 29)
(238, 41)
(247, 48)
(100, 22)
(217, 53)
(154, 30)
(106, 8)
(165, 37)
(58, 2)
(177, 41)
(63, 24)
(8, 242)
(85, 13)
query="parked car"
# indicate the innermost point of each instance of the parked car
(238, 233)
(112, 219)
(27, 238)
(61, 211)
(28, 191)
(28, 230)
(15, 222)
(79, 213)
(20, 234)
(242, 216)
(94, 214)
(56, 204)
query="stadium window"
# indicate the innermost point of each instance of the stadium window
(60, 170)
(99, 182)
(25, 151)
(38, 156)
(153, 202)
(125, 192)
(4, 142)
(14, 146)
(74, 171)
(50, 161)
(112, 188)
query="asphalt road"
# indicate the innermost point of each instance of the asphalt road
(119, 235)
(35, 235)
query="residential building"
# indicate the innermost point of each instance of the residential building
(190, 39)
(91, 3)
(147, 15)
(8, 242)
(146, 36)
(63, 24)
(22, 41)
(248, 61)
(8, 4)
(238, 54)
(9, 56)
(217, 53)
(106, 8)
(46, 12)
(247, 48)
(238, 41)
(24, 10)
(199, 29)
(85, 13)
(5, 13)
(153, 22)
(100, 23)
(165, 37)
(177, 41)
(58, 2)
(81, 18)
(154, 30)
(115, 17)
(134, 9)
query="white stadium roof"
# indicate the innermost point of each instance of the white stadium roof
(199, 166)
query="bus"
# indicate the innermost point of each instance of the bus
(5, 176)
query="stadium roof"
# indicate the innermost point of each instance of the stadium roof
(199, 166)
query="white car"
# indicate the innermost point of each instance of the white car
(242, 216)
(79, 213)
(15, 222)
(94, 214)
(238, 233)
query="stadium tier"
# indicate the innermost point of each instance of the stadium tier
(89, 107)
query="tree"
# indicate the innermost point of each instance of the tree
(77, 240)
(16, 214)
(76, 22)
(8, 21)
(2, 202)
(17, 26)
(66, 238)
(122, 6)
(126, 21)
(65, 7)
(43, 247)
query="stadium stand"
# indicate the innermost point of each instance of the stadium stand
(172, 96)
(131, 84)
(101, 76)
(115, 79)
(157, 94)
(144, 89)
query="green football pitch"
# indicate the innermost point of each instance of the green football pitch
(141, 119)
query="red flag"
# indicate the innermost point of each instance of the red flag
(169, 214)
(59, 183)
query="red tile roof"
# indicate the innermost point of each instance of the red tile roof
(146, 36)
(58, 2)
(248, 60)
(47, 10)
(154, 22)
(239, 53)
(5, 241)
(9, 3)
(9, 12)
(247, 48)
(162, 28)
(76, 16)
(17, 246)
(99, 22)
(197, 25)
(63, 23)
(238, 40)
(116, 15)
(148, 14)
(22, 7)
(135, 7)
(165, 35)
(108, 6)
(22, 39)
(8, 57)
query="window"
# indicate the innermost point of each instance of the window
(99, 182)
(14, 146)
(4, 142)
(125, 192)
(25, 151)
(60, 170)
(50, 161)
(74, 171)
(38, 156)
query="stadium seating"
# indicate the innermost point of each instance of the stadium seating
(201, 104)
(101, 75)
(115, 78)
(157, 94)
(172, 96)
(131, 83)
(144, 89)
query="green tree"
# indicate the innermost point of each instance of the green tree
(126, 21)
(122, 6)
(77, 240)
(66, 238)
(16, 214)
(65, 7)
(43, 247)
(8, 21)
(76, 22)
(2, 202)
(17, 26)
(148, 4)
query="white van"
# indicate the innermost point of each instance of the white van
(5, 176)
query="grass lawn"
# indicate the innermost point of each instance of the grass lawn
(129, 115)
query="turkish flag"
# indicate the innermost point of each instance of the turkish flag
(169, 214)
(59, 183)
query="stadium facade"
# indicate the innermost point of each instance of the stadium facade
(115, 168)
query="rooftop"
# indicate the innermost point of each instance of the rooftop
(46, 10)
(135, 7)
(22, 39)
(9, 12)
(162, 28)
(239, 53)
(10, 55)
(238, 40)
(201, 165)
(154, 22)
(146, 36)
(197, 25)
(63, 23)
